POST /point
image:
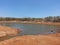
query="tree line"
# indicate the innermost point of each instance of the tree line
(46, 19)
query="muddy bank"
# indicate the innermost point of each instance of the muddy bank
(7, 31)
(53, 39)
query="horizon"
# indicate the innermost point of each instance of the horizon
(29, 8)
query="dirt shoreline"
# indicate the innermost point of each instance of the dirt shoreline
(49, 39)
(53, 39)
(8, 31)
(29, 22)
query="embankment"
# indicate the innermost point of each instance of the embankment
(53, 39)
(4, 31)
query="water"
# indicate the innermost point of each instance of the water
(33, 29)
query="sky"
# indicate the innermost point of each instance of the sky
(29, 8)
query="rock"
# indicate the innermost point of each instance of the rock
(52, 39)
(8, 31)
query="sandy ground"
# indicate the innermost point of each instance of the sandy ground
(53, 39)
(4, 31)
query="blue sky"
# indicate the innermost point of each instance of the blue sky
(29, 8)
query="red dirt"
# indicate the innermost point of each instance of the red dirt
(8, 31)
(53, 39)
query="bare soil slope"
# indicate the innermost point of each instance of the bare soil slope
(4, 31)
(53, 39)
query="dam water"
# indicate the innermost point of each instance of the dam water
(33, 29)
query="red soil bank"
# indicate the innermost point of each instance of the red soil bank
(4, 31)
(53, 39)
